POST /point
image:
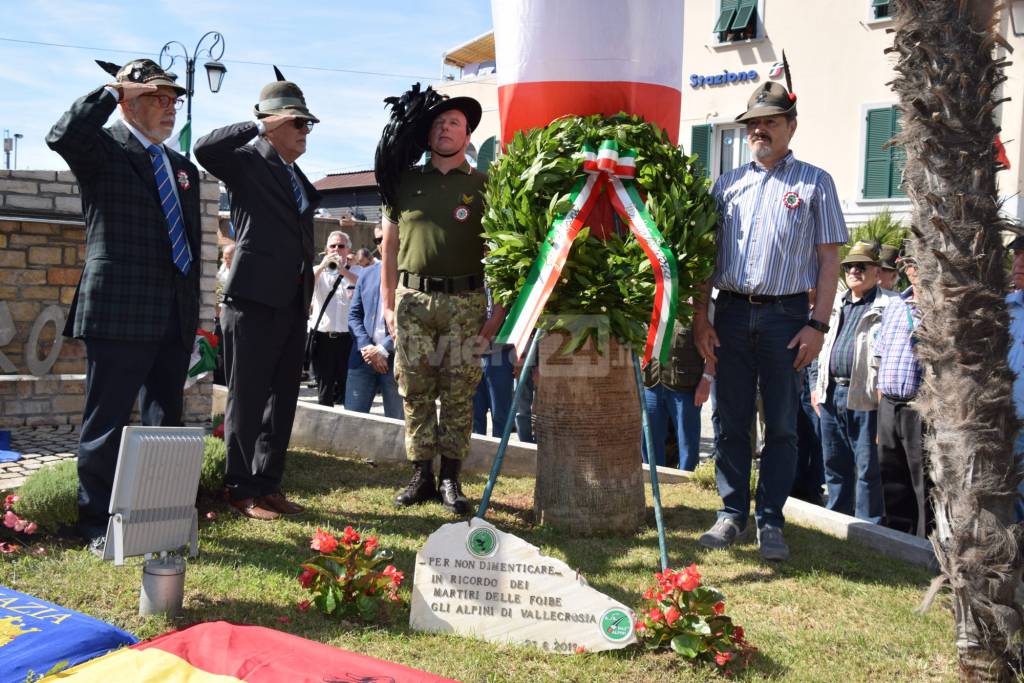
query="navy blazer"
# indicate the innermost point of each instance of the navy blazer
(129, 285)
(274, 242)
(362, 315)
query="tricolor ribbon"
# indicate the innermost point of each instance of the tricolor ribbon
(609, 168)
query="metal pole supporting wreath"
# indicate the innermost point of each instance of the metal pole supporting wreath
(531, 357)
(652, 463)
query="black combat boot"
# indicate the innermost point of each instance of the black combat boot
(421, 488)
(451, 488)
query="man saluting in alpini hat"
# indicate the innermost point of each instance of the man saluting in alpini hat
(780, 228)
(432, 286)
(137, 303)
(268, 289)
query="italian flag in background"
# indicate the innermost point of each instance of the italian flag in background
(581, 57)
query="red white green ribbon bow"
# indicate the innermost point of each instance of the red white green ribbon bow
(606, 168)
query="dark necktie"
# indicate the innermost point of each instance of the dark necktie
(295, 187)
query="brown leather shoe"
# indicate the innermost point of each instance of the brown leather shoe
(250, 507)
(278, 503)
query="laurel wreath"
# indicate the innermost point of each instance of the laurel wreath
(603, 280)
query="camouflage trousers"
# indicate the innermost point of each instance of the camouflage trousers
(435, 358)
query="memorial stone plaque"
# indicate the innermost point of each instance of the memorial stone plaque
(475, 580)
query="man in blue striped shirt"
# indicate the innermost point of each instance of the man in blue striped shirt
(780, 227)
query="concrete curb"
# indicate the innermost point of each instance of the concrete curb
(382, 439)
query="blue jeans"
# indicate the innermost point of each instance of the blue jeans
(665, 406)
(810, 468)
(364, 382)
(753, 354)
(852, 474)
(494, 392)
(524, 409)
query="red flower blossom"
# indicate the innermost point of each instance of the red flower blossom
(580, 649)
(369, 545)
(722, 658)
(304, 605)
(392, 573)
(11, 520)
(688, 579)
(649, 594)
(324, 542)
(738, 634)
(671, 615)
(718, 607)
(655, 614)
(10, 500)
(350, 536)
(31, 528)
(218, 431)
(640, 627)
(306, 578)
(8, 548)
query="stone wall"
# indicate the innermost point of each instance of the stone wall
(42, 252)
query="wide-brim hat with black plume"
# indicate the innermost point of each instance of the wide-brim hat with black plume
(142, 71)
(404, 138)
(772, 99)
(282, 97)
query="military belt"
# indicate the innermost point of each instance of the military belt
(434, 284)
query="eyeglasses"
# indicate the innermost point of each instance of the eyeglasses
(378, 240)
(165, 101)
(337, 246)
(303, 123)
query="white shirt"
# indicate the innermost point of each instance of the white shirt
(336, 316)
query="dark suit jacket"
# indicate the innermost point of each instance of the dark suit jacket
(129, 283)
(274, 242)
(362, 315)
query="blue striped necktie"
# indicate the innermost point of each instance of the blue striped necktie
(172, 211)
(295, 186)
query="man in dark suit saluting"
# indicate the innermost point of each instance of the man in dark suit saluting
(137, 303)
(268, 290)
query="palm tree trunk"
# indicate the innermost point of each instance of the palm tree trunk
(947, 80)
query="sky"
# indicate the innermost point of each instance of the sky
(318, 44)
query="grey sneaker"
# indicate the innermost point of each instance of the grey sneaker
(773, 545)
(723, 534)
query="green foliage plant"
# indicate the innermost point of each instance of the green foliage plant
(529, 187)
(211, 476)
(49, 497)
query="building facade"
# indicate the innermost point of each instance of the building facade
(836, 52)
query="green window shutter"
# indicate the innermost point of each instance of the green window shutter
(728, 11)
(877, 161)
(744, 13)
(486, 155)
(899, 159)
(700, 144)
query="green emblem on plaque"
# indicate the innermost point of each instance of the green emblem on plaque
(616, 625)
(482, 542)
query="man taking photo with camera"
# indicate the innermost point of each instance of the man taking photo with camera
(335, 280)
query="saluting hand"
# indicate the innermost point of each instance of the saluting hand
(130, 89)
(276, 121)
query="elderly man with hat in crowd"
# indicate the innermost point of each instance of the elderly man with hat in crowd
(888, 272)
(432, 287)
(845, 391)
(137, 303)
(901, 456)
(780, 227)
(268, 290)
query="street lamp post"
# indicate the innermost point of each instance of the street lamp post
(214, 71)
(17, 136)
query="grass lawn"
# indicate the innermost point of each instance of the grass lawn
(836, 611)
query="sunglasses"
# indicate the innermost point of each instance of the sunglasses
(862, 267)
(303, 123)
(337, 246)
(165, 101)
(378, 240)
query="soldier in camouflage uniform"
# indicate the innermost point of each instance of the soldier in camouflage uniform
(434, 303)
